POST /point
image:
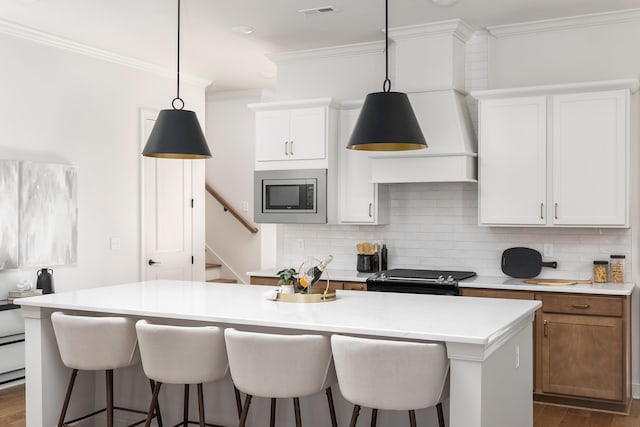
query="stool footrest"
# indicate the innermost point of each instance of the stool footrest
(117, 408)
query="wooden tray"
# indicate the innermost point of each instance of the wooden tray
(319, 296)
(555, 282)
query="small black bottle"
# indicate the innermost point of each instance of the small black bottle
(383, 257)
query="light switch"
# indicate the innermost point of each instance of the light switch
(115, 243)
(245, 206)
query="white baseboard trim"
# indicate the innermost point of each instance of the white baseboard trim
(635, 390)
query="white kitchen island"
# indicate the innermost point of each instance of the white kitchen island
(489, 341)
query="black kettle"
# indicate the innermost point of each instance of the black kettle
(45, 280)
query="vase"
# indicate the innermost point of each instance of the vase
(287, 289)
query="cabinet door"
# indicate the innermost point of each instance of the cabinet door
(582, 356)
(357, 194)
(272, 133)
(308, 131)
(512, 161)
(590, 159)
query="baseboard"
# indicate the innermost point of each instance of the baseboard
(635, 390)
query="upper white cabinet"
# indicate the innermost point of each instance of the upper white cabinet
(360, 201)
(295, 134)
(554, 159)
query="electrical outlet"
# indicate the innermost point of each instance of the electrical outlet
(548, 250)
(245, 206)
(300, 244)
(115, 243)
(517, 356)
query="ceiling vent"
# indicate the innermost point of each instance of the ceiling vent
(318, 10)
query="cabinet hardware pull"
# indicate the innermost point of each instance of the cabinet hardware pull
(546, 333)
(556, 210)
(370, 207)
(291, 148)
(583, 306)
(286, 148)
(541, 210)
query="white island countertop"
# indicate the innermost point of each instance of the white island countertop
(407, 316)
(487, 282)
(488, 341)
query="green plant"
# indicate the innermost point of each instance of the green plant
(287, 276)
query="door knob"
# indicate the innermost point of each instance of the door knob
(151, 262)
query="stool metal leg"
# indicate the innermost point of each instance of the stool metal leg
(245, 410)
(412, 418)
(440, 415)
(296, 408)
(185, 407)
(354, 415)
(238, 400)
(109, 379)
(200, 405)
(67, 397)
(374, 417)
(152, 383)
(272, 418)
(332, 409)
(154, 403)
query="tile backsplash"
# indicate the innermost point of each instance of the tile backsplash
(434, 226)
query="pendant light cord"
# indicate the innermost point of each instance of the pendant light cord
(386, 86)
(177, 98)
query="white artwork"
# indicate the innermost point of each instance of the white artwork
(48, 214)
(8, 214)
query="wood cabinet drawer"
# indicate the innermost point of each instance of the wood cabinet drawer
(581, 304)
(268, 281)
(497, 293)
(355, 286)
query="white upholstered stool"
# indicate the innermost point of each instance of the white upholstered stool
(182, 355)
(280, 366)
(393, 375)
(96, 344)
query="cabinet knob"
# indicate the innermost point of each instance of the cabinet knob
(286, 148)
(555, 208)
(370, 210)
(541, 210)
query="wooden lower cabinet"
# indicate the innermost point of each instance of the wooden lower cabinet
(581, 347)
(333, 284)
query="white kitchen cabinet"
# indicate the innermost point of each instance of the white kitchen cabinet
(360, 201)
(590, 158)
(554, 159)
(512, 161)
(294, 134)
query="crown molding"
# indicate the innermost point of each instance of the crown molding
(358, 49)
(631, 84)
(30, 34)
(453, 27)
(559, 24)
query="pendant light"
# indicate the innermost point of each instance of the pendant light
(387, 121)
(177, 133)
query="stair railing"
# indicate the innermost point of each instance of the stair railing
(228, 208)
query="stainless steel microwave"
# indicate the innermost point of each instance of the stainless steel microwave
(290, 196)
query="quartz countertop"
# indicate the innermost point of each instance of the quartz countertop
(486, 282)
(479, 321)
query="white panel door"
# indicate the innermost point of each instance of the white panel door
(308, 133)
(357, 194)
(590, 158)
(272, 135)
(512, 161)
(167, 218)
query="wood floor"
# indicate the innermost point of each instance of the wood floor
(12, 414)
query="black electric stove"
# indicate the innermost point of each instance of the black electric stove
(438, 282)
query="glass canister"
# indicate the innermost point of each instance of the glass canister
(600, 273)
(617, 268)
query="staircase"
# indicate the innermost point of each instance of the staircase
(213, 272)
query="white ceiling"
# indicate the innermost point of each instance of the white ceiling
(145, 29)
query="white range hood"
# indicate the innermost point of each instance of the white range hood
(430, 68)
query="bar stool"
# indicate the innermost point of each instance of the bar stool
(390, 375)
(96, 344)
(280, 366)
(182, 355)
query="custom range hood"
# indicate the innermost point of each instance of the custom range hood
(430, 67)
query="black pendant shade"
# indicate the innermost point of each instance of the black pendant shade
(387, 123)
(177, 135)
